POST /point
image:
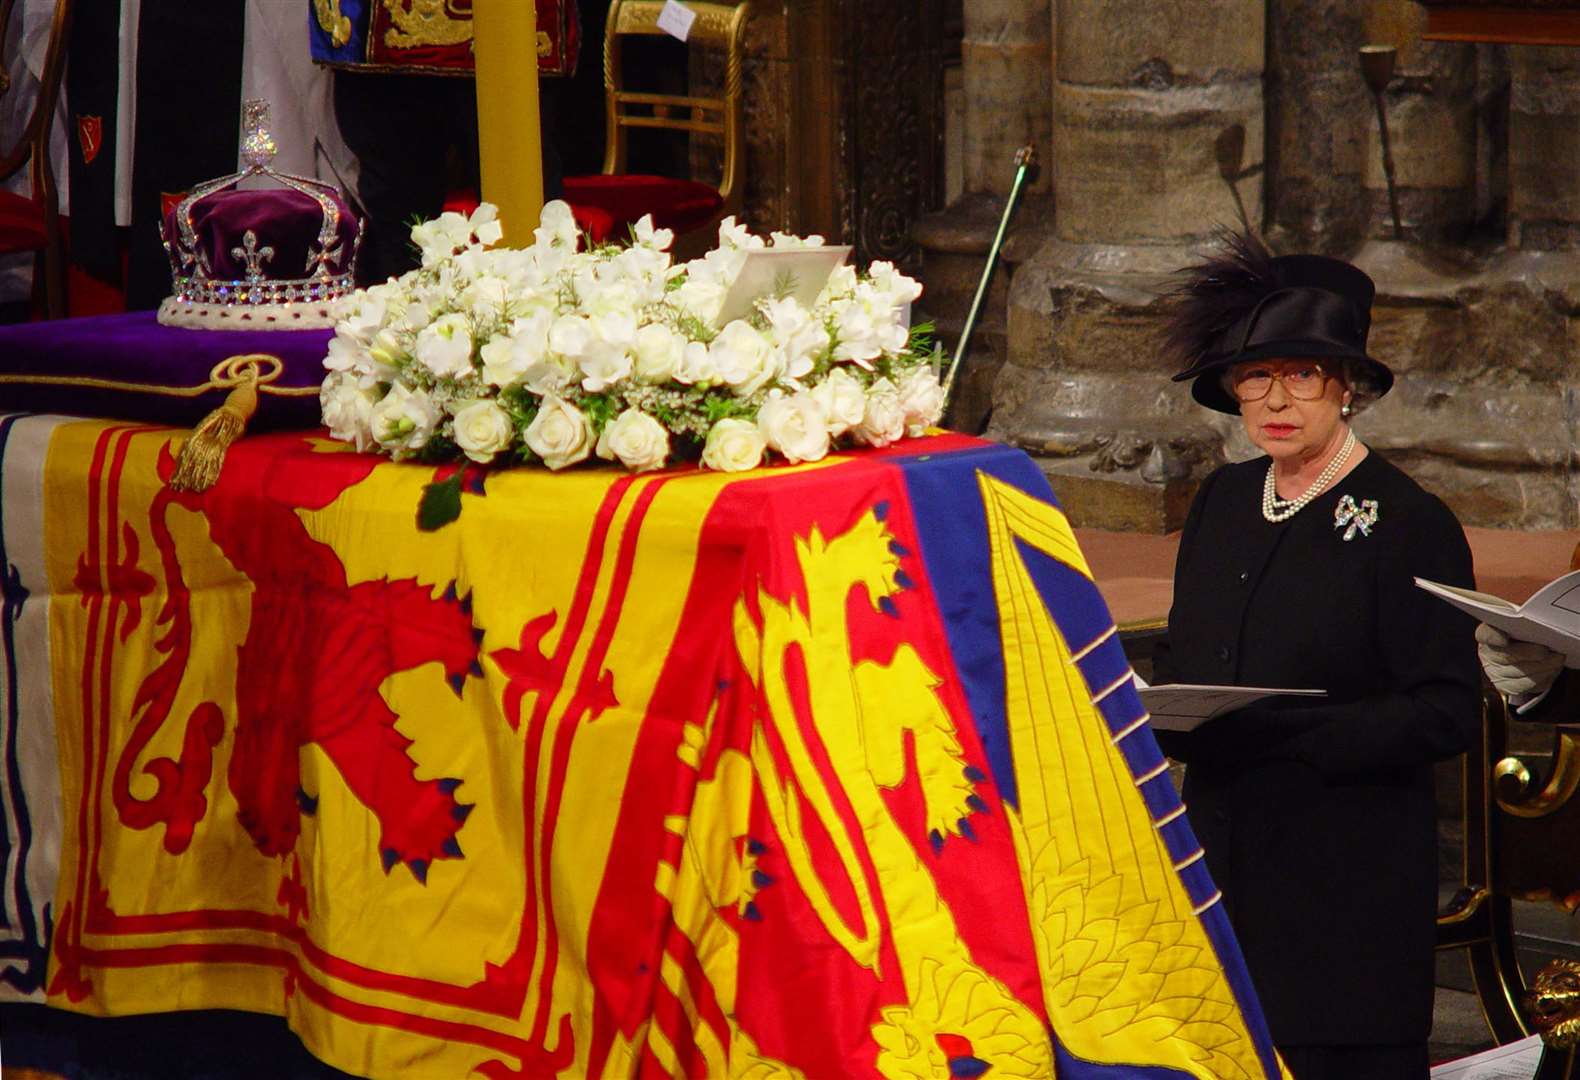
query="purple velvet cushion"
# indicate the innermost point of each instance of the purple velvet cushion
(128, 358)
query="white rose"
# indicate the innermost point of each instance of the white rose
(703, 297)
(445, 346)
(638, 440)
(922, 398)
(483, 429)
(884, 421)
(347, 409)
(795, 426)
(404, 420)
(745, 360)
(844, 401)
(658, 352)
(570, 336)
(733, 446)
(560, 434)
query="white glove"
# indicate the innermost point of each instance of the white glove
(1517, 668)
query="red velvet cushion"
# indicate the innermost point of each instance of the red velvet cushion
(21, 223)
(674, 204)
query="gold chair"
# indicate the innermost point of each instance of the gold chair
(32, 222)
(607, 203)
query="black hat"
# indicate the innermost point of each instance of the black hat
(1246, 304)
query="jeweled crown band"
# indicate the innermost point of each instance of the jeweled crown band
(307, 290)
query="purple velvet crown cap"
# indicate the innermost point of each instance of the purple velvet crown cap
(286, 226)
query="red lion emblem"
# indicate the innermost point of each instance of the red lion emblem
(316, 651)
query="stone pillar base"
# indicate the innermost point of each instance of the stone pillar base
(954, 244)
(1086, 392)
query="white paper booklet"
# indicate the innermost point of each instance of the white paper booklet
(1550, 618)
(1184, 706)
(1512, 1061)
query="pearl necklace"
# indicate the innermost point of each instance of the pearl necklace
(1275, 509)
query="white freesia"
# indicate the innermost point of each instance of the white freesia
(636, 439)
(884, 420)
(556, 226)
(604, 366)
(560, 434)
(483, 429)
(795, 426)
(647, 236)
(508, 358)
(485, 224)
(922, 399)
(733, 446)
(403, 421)
(843, 400)
(347, 353)
(444, 346)
(789, 240)
(442, 237)
(796, 333)
(696, 365)
(347, 409)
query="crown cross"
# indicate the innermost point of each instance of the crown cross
(323, 259)
(253, 255)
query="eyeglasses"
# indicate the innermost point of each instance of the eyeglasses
(1303, 382)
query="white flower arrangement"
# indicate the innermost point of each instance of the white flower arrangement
(555, 355)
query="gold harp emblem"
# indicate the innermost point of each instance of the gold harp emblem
(427, 22)
(332, 22)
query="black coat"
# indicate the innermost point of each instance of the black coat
(1318, 820)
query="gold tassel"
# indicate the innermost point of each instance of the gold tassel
(203, 454)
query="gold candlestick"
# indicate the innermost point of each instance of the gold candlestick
(509, 143)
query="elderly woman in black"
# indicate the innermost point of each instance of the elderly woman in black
(1295, 571)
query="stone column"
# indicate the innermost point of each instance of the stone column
(1006, 71)
(1318, 119)
(1157, 140)
(1544, 149)
(1006, 67)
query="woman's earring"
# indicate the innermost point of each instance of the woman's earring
(1347, 410)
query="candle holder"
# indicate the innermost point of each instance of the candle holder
(1377, 66)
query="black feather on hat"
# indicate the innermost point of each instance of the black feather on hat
(1245, 303)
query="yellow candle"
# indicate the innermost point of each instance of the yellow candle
(509, 144)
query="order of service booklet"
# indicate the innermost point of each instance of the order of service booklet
(1185, 706)
(1550, 618)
